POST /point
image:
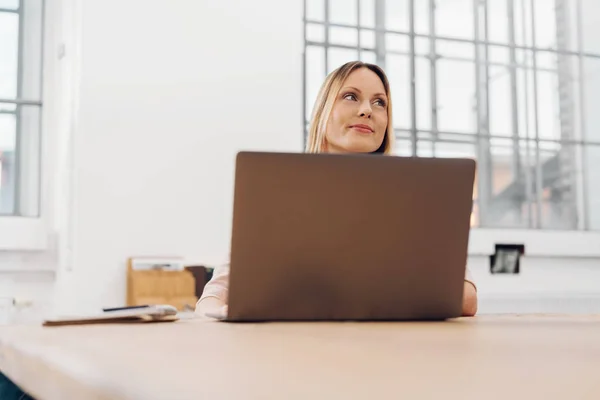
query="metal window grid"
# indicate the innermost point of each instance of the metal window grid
(523, 138)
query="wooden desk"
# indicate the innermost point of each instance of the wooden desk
(486, 357)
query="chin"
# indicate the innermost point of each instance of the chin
(363, 147)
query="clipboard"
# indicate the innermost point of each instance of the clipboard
(145, 314)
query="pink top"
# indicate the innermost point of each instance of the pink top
(218, 286)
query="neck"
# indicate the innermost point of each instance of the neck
(328, 148)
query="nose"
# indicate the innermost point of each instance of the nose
(365, 109)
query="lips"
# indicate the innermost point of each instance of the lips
(362, 128)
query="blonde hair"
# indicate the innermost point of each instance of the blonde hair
(326, 98)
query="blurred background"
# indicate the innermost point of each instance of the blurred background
(511, 83)
(120, 121)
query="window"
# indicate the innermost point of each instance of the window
(518, 92)
(20, 106)
(21, 33)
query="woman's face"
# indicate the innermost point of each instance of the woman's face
(359, 117)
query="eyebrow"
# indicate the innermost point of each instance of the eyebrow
(358, 90)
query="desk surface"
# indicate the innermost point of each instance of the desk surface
(483, 357)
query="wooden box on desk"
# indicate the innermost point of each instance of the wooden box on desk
(177, 288)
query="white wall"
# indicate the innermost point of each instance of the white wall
(158, 100)
(168, 95)
(544, 284)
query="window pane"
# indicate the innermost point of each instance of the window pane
(504, 168)
(447, 48)
(367, 13)
(426, 136)
(454, 18)
(500, 101)
(31, 51)
(396, 15)
(546, 60)
(367, 39)
(456, 96)
(315, 10)
(9, 40)
(423, 93)
(548, 106)
(7, 163)
(395, 42)
(524, 58)
(7, 107)
(404, 134)
(315, 33)
(454, 150)
(545, 23)
(7, 132)
(343, 12)
(559, 186)
(315, 75)
(9, 4)
(525, 102)
(398, 71)
(570, 95)
(422, 19)
(498, 21)
(368, 57)
(590, 26)
(343, 36)
(500, 55)
(456, 137)
(337, 57)
(592, 181)
(20, 162)
(591, 84)
(425, 148)
(522, 22)
(511, 172)
(403, 147)
(422, 47)
(28, 161)
(510, 167)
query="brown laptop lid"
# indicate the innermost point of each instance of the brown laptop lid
(349, 237)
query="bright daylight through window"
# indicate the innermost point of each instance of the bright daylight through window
(20, 106)
(512, 83)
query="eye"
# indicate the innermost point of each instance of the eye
(380, 102)
(349, 96)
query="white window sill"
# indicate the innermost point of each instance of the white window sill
(31, 234)
(23, 234)
(538, 243)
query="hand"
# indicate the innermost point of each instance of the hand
(469, 307)
(211, 305)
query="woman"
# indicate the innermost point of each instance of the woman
(352, 114)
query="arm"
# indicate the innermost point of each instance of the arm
(215, 294)
(469, 307)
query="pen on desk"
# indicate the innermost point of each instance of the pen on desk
(124, 308)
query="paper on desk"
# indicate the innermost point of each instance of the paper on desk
(146, 314)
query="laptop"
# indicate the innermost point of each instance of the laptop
(352, 237)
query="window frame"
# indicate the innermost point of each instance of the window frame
(580, 242)
(20, 233)
(23, 233)
(483, 136)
